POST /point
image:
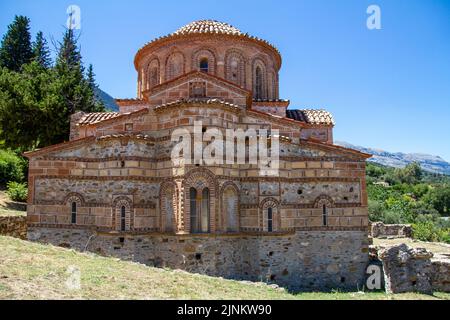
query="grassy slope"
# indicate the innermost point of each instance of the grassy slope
(35, 271)
(8, 207)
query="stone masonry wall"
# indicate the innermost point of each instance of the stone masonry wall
(310, 260)
(381, 230)
(13, 227)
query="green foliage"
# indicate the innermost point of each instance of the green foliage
(429, 231)
(12, 167)
(15, 49)
(37, 101)
(17, 191)
(413, 196)
(41, 52)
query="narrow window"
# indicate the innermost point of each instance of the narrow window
(258, 83)
(204, 65)
(122, 218)
(205, 211)
(324, 215)
(269, 219)
(193, 208)
(74, 212)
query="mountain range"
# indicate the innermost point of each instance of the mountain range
(428, 162)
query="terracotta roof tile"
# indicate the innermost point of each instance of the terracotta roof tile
(95, 117)
(311, 116)
(208, 26)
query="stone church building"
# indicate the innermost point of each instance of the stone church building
(113, 188)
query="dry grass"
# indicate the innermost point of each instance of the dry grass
(34, 271)
(9, 207)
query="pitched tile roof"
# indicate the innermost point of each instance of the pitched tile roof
(311, 116)
(95, 117)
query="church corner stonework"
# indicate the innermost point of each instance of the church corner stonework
(115, 189)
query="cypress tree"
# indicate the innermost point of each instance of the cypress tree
(15, 49)
(41, 52)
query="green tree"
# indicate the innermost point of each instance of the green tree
(15, 49)
(439, 199)
(41, 52)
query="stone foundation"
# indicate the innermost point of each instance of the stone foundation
(304, 260)
(13, 227)
(381, 230)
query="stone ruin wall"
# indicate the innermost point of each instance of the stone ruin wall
(304, 260)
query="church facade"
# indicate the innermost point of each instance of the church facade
(114, 188)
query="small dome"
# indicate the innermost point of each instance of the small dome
(208, 26)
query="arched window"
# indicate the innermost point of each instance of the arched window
(74, 212)
(199, 210)
(269, 219)
(324, 215)
(193, 208)
(258, 83)
(230, 207)
(154, 77)
(204, 65)
(123, 215)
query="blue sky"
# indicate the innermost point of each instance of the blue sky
(387, 88)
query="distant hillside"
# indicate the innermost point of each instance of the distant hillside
(398, 159)
(109, 101)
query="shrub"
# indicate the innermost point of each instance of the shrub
(12, 167)
(425, 231)
(17, 191)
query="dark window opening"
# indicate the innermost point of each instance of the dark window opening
(324, 215)
(198, 256)
(204, 65)
(258, 83)
(269, 219)
(123, 218)
(74, 212)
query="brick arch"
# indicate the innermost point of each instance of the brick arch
(74, 197)
(152, 79)
(175, 64)
(323, 200)
(118, 203)
(223, 218)
(235, 55)
(264, 205)
(205, 52)
(200, 179)
(168, 188)
(259, 62)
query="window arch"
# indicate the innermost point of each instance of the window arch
(235, 67)
(230, 207)
(323, 203)
(74, 202)
(174, 65)
(204, 60)
(259, 80)
(270, 217)
(122, 216)
(200, 211)
(153, 76)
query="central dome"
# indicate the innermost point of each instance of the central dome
(208, 26)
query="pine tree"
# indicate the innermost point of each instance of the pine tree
(41, 52)
(15, 49)
(69, 55)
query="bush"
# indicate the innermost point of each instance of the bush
(425, 231)
(12, 167)
(17, 191)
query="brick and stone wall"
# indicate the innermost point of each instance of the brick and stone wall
(307, 260)
(13, 226)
